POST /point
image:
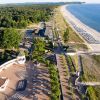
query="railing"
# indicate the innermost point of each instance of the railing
(7, 64)
(10, 62)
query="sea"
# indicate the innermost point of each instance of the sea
(88, 14)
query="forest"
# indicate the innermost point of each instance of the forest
(19, 16)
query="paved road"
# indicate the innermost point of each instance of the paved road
(88, 83)
(89, 52)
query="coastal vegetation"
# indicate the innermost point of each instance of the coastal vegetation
(21, 16)
(39, 49)
(14, 17)
(10, 38)
(93, 93)
(55, 86)
(66, 35)
(71, 64)
(7, 55)
(90, 64)
(75, 61)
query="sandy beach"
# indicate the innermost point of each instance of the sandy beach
(90, 36)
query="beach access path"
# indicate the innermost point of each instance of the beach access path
(90, 36)
(67, 93)
(63, 78)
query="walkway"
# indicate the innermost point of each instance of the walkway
(39, 84)
(63, 77)
(88, 83)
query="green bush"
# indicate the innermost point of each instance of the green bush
(54, 97)
(91, 93)
(55, 87)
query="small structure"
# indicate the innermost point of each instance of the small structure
(21, 85)
(42, 25)
(36, 63)
(21, 59)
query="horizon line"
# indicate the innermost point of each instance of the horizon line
(44, 2)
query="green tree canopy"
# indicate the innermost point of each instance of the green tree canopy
(39, 48)
(10, 38)
(66, 35)
(21, 16)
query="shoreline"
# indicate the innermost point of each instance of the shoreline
(90, 36)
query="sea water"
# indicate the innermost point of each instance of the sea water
(89, 14)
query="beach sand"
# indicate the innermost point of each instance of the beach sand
(73, 21)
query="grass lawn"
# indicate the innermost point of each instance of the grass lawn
(73, 37)
(78, 46)
(75, 61)
(93, 93)
(91, 67)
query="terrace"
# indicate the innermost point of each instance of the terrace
(14, 73)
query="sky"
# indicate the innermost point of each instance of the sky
(20, 1)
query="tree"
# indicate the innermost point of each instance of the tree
(10, 38)
(66, 35)
(91, 93)
(22, 24)
(54, 80)
(21, 16)
(39, 49)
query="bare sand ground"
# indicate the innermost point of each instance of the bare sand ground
(71, 18)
